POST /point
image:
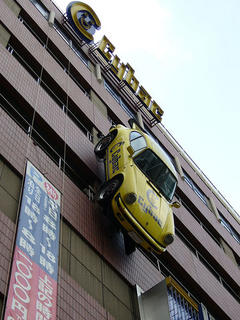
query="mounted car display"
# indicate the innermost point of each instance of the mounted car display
(140, 184)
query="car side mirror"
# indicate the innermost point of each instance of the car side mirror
(130, 150)
(176, 204)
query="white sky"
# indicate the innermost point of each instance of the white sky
(186, 53)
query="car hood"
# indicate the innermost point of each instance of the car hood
(151, 209)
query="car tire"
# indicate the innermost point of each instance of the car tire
(107, 190)
(101, 146)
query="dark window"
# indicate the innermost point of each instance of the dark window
(68, 39)
(32, 27)
(50, 86)
(10, 186)
(119, 100)
(41, 8)
(1, 304)
(179, 307)
(195, 188)
(229, 228)
(198, 216)
(157, 172)
(44, 137)
(212, 266)
(56, 53)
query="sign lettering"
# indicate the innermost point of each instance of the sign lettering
(33, 283)
(126, 73)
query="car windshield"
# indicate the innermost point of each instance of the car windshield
(157, 172)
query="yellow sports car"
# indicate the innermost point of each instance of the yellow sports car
(140, 184)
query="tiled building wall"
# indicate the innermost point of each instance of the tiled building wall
(76, 208)
(208, 243)
(204, 278)
(84, 215)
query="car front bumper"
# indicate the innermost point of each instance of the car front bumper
(130, 224)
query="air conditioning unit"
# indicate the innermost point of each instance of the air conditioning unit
(51, 18)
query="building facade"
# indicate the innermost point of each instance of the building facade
(58, 96)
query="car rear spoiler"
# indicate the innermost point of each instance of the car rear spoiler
(134, 124)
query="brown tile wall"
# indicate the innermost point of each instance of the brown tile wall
(19, 78)
(197, 271)
(209, 215)
(94, 227)
(208, 243)
(75, 303)
(57, 73)
(7, 231)
(85, 216)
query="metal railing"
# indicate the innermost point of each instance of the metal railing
(197, 219)
(207, 264)
(44, 44)
(48, 149)
(50, 92)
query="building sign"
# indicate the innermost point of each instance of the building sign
(83, 20)
(32, 291)
(125, 73)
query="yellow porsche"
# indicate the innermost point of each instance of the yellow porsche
(140, 184)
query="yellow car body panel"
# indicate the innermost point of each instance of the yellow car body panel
(149, 219)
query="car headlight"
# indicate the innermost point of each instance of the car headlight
(130, 198)
(168, 239)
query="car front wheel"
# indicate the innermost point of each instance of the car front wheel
(107, 190)
(102, 145)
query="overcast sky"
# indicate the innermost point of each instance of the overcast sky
(186, 53)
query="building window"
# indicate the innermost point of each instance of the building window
(56, 53)
(179, 307)
(51, 144)
(64, 35)
(1, 304)
(41, 8)
(77, 51)
(10, 187)
(188, 205)
(50, 86)
(37, 32)
(119, 100)
(95, 275)
(195, 188)
(229, 228)
(210, 265)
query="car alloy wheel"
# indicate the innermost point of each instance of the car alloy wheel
(102, 145)
(108, 190)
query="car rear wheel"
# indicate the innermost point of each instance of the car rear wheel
(102, 145)
(107, 190)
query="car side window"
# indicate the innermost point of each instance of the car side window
(137, 141)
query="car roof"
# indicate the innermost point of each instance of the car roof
(155, 146)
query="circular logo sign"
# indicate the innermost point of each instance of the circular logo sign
(83, 20)
(152, 198)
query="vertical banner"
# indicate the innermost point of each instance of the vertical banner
(32, 293)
